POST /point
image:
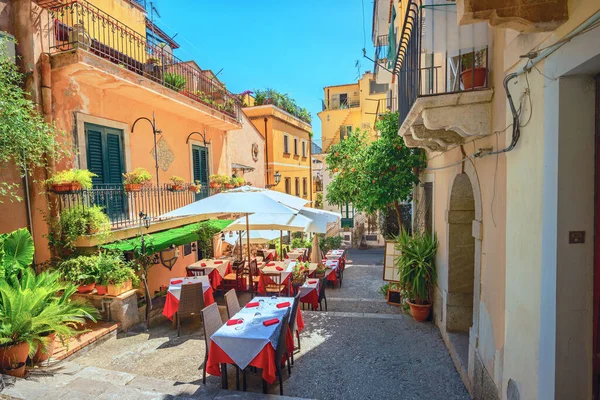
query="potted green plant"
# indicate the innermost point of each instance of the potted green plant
(70, 180)
(81, 271)
(134, 180)
(34, 309)
(299, 273)
(175, 81)
(115, 276)
(474, 73)
(239, 181)
(416, 268)
(320, 271)
(177, 183)
(195, 187)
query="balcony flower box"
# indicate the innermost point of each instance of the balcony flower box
(176, 184)
(133, 187)
(69, 187)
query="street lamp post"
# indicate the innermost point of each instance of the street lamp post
(145, 223)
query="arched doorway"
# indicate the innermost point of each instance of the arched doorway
(461, 256)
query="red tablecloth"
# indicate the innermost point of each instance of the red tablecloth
(264, 360)
(285, 282)
(172, 303)
(216, 278)
(311, 298)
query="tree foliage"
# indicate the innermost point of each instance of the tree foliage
(26, 140)
(376, 175)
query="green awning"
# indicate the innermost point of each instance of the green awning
(163, 240)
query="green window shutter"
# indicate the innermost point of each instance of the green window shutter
(95, 154)
(391, 56)
(199, 164)
(115, 159)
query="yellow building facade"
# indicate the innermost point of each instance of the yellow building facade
(287, 149)
(350, 107)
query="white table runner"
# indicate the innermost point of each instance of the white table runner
(243, 342)
(175, 288)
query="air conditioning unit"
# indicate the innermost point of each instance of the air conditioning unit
(9, 41)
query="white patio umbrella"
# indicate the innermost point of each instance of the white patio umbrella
(256, 237)
(244, 200)
(308, 220)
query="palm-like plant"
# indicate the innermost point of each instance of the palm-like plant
(35, 306)
(416, 264)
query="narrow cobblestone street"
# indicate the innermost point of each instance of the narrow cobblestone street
(361, 348)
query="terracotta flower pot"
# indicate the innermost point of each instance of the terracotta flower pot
(133, 187)
(214, 185)
(420, 312)
(66, 187)
(473, 78)
(86, 288)
(13, 358)
(40, 355)
(229, 186)
(176, 188)
(115, 290)
(101, 290)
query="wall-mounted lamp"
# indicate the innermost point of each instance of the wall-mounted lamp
(193, 247)
(156, 259)
(222, 237)
(277, 177)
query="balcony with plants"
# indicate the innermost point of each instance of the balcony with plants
(342, 101)
(443, 77)
(94, 210)
(282, 101)
(80, 26)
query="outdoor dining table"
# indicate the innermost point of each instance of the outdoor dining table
(333, 265)
(250, 342)
(270, 254)
(174, 293)
(274, 267)
(214, 269)
(309, 292)
(335, 254)
(294, 255)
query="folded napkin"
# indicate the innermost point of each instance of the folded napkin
(234, 322)
(253, 304)
(312, 282)
(271, 321)
(203, 265)
(279, 268)
(175, 282)
(282, 305)
(218, 262)
(270, 264)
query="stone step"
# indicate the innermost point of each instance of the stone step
(70, 380)
(98, 330)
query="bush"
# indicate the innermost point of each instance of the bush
(300, 243)
(81, 270)
(113, 270)
(81, 176)
(78, 221)
(175, 81)
(138, 176)
(330, 243)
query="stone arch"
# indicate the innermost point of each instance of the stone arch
(461, 255)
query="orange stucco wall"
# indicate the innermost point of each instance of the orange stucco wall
(74, 96)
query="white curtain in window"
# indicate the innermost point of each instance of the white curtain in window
(443, 34)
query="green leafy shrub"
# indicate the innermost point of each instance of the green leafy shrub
(81, 270)
(81, 176)
(16, 252)
(175, 81)
(300, 243)
(78, 221)
(330, 243)
(113, 270)
(416, 265)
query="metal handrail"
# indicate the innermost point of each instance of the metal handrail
(78, 24)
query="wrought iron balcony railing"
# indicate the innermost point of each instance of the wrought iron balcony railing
(123, 208)
(423, 74)
(381, 51)
(340, 102)
(78, 24)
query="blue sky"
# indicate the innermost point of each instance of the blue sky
(296, 47)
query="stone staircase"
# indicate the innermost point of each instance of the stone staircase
(70, 380)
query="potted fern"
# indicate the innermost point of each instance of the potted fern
(134, 180)
(416, 268)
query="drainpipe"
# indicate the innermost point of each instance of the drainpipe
(310, 177)
(266, 155)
